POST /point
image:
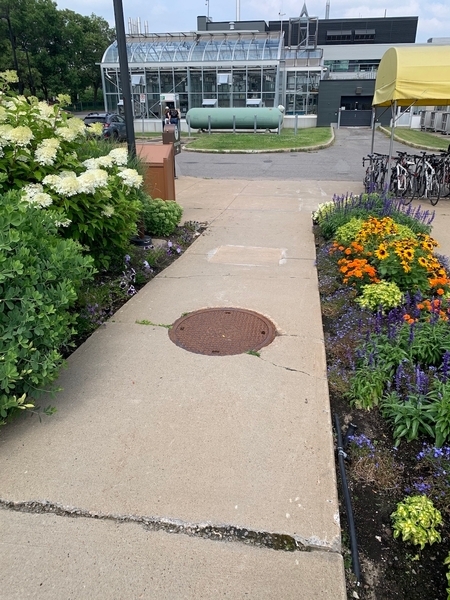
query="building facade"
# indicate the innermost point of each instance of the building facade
(310, 66)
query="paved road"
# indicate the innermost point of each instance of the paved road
(340, 162)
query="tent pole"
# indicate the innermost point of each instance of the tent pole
(391, 143)
(374, 115)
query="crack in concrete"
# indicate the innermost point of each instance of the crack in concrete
(286, 368)
(227, 533)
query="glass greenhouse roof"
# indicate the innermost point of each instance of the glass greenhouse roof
(187, 48)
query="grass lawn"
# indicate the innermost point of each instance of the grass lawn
(304, 139)
(420, 138)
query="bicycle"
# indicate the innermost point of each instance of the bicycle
(401, 183)
(426, 183)
(375, 173)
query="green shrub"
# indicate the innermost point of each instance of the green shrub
(416, 519)
(345, 234)
(409, 417)
(366, 387)
(161, 217)
(404, 232)
(46, 154)
(383, 294)
(39, 278)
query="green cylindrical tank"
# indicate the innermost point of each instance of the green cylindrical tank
(222, 118)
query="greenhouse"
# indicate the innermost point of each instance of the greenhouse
(225, 69)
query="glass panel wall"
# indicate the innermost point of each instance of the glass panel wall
(166, 81)
(254, 82)
(232, 82)
(180, 79)
(302, 89)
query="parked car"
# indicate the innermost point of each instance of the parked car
(114, 127)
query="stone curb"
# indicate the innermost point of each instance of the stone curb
(269, 151)
(411, 144)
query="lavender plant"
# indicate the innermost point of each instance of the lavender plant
(346, 207)
(433, 464)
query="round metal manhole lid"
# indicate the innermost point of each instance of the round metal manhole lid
(222, 331)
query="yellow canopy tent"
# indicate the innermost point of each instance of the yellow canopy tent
(412, 75)
(418, 75)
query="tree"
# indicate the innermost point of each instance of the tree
(52, 50)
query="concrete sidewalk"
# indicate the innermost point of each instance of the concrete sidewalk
(172, 475)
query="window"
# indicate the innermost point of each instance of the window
(223, 78)
(365, 35)
(339, 36)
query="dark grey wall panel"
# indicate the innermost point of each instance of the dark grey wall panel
(331, 93)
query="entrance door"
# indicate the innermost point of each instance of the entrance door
(358, 111)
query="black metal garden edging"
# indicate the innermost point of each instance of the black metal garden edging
(348, 503)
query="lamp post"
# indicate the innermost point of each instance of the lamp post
(125, 76)
(281, 15)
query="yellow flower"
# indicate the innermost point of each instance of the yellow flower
(382, 252)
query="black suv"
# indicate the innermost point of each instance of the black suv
(113, 124)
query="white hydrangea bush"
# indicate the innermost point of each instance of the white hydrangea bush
(94, 200)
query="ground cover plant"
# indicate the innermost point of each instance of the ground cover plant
(385, 307)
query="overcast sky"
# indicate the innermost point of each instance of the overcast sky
(181, 15)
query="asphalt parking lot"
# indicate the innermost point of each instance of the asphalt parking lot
(342, 161)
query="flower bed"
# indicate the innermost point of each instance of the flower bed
(385, 306)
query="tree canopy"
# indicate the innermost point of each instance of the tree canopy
(53, 51)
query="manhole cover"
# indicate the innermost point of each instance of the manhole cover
(222, 331)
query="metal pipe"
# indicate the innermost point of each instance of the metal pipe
(391, 141)
(374, 118)
(348, 503)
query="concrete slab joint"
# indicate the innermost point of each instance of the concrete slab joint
(228, 533)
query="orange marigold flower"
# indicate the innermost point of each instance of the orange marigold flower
(348, 251)
(440, 291)
(406, 317)
(341, 248)
(420, 306)
(357, 246)
(411, 321)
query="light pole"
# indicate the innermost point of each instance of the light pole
(281, 15)
(125, 76)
